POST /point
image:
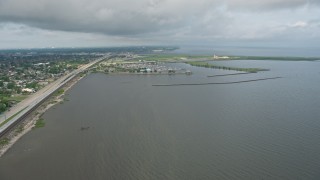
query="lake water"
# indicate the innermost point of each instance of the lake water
(257, 130)
(254, 50)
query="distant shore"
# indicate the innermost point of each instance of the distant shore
(29, 123)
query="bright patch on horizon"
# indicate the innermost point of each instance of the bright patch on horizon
(300, 24)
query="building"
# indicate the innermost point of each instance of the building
(28, 90)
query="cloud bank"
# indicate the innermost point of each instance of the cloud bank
(168, 20)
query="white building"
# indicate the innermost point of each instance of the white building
(28, 90)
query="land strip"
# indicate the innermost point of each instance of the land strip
(232, 82)
(212, 66)
(31, 120)
(233, 74)
(28, 105)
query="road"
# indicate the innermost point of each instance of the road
(33, 100)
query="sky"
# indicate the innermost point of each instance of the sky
(106, 23)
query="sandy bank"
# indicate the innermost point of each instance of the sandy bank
(29, 123)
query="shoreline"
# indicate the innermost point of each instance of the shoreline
(29, 122)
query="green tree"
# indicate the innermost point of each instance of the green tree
(18, 90)
(33, 85)
(3, 107)
(10, 85)
(5, 78)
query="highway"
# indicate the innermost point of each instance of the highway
(26, 106)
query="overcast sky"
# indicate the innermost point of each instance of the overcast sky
(84, 23)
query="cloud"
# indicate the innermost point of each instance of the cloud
(299, 24)
(122, 17)
(267, 5)
(21, 36)
(115, 17)
(164, 20)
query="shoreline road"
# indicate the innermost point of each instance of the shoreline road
(33, 100)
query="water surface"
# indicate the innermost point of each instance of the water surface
(258, 130)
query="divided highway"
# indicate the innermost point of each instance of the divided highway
(22, 109)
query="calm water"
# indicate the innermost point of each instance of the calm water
(258, 130)
(254, 50)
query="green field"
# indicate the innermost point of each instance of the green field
(17, 98)
(4, 141)
(40, 123)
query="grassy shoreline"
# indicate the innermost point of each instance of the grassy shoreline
(34, 120)
(212, 66)
(39, 123)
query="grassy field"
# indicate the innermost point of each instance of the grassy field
(40, 123)
(59, 92)
(17, 98)
(4, 141)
